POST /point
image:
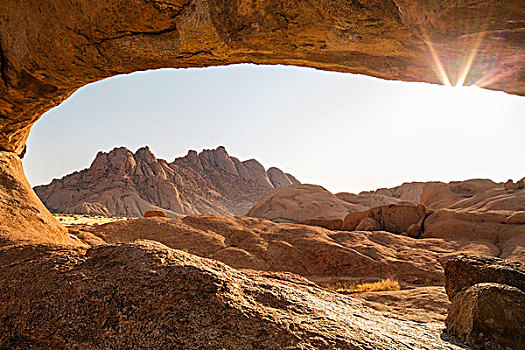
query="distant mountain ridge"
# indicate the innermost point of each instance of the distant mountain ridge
(123, 183)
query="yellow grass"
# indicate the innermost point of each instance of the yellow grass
(348, 287)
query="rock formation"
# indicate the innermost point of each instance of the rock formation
(468, 209)
(52, 297)
(23, 217)
(488, 302)
(155, 214)
(409, 191)
(121, 183)
(368, 200)
(474, 226)
(313, 252)
(395, 218)
(301, 202)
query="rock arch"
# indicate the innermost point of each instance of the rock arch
(48, 49)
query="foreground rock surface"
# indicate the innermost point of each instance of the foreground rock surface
(421, 304)
(145, 295)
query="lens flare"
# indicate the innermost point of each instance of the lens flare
(468, 64)
(438, 66)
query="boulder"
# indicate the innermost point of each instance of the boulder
(352, 220)
(155, 213)
(488, 302)
(488, 316)
(414, 230)
(368, 224)
(462, 272)
(395, 218)
(297, 203)
(511, 187)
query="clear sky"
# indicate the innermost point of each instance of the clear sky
(345, 132)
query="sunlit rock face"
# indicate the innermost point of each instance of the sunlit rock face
(48, 49)
(23, 217)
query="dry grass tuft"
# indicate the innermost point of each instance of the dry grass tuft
(349, 287)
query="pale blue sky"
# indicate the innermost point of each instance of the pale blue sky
(345, 132)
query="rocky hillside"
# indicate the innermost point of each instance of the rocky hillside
(122, 183)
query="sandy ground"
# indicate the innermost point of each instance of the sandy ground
(77, 219)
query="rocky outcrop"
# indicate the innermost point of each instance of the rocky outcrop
(470, 210)
(395, 218)
(409, 191)
(120, 183)
(113, 296)
(478, 195)
(481, 195)
(491, 227)
(310, 251)
(155, 214)
(367, 200)
(463, 272)
(512, 187)
(301, 202)
(278, 178)
(488, 302)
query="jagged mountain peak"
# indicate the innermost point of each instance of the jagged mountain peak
(120, 182)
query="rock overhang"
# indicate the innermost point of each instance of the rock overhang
(48, 50)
